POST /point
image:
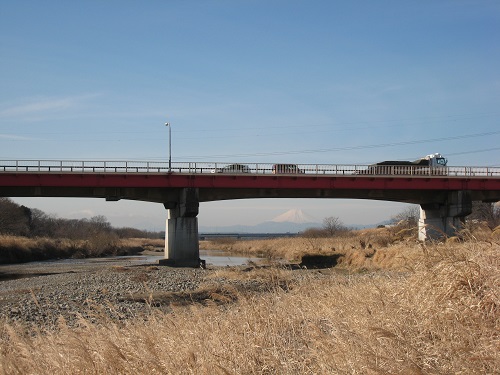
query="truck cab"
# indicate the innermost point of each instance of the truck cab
(436, 160)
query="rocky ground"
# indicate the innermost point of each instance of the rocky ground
(43, 292)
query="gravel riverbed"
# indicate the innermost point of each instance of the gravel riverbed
(42, 292)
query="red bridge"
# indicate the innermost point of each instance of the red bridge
(445, 194)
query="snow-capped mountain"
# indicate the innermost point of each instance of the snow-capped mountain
(294, 216)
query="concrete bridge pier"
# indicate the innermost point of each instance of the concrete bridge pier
(181, 232)
(441, 220)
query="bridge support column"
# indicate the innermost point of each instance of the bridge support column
(181, 232)
(441, 220)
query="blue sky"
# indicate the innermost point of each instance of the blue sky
(248, 81)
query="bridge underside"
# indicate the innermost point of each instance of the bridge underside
(416, 196)
(166, 195)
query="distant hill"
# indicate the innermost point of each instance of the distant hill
(292, 221)
(266, 227)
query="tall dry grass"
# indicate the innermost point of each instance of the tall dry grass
(376, 248)
(439, 317)
(381, 248)
(293, 248)
(17, 249)
(14, 249)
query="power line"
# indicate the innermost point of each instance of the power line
(163, 158)
(339, 126)
(348, 148)
(474, 152)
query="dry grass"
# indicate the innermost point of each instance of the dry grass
(22, 249)
(439, 317)
(292, 249)
(143, 243)
(15, 249)
(369, 249)
(27, 244)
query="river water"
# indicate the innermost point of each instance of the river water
(31, 269)
(211, 257)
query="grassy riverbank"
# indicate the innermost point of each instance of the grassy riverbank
(372, 249)
(394, 306)
(18, 249)
(439, 316)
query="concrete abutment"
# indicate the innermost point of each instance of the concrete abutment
(445, 219)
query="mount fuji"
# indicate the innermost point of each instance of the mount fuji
(296, 216)
(292, 221)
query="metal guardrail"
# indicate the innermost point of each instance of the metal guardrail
(74, 166)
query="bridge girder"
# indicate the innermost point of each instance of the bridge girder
(170, 196)
(165, 188)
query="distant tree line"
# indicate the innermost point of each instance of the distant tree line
(332, 226)
(20, 220)
(407, 219)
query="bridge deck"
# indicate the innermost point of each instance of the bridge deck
(73, 166)
(151, 181)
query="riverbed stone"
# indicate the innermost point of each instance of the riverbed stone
(42, 292)
(45, 293)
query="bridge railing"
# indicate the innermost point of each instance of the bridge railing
(95, 166)
(82, 166)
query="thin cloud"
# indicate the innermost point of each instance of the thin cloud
(45, 105)
(391, 89)
(13, 137)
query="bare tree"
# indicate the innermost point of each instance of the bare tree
(408, 217)
(14, 219)
(333, 226)
(41, 224)
(100, 223)
(486, 212)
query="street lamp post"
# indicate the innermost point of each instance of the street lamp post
(169, 146)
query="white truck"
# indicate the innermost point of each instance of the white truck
(433, 164)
